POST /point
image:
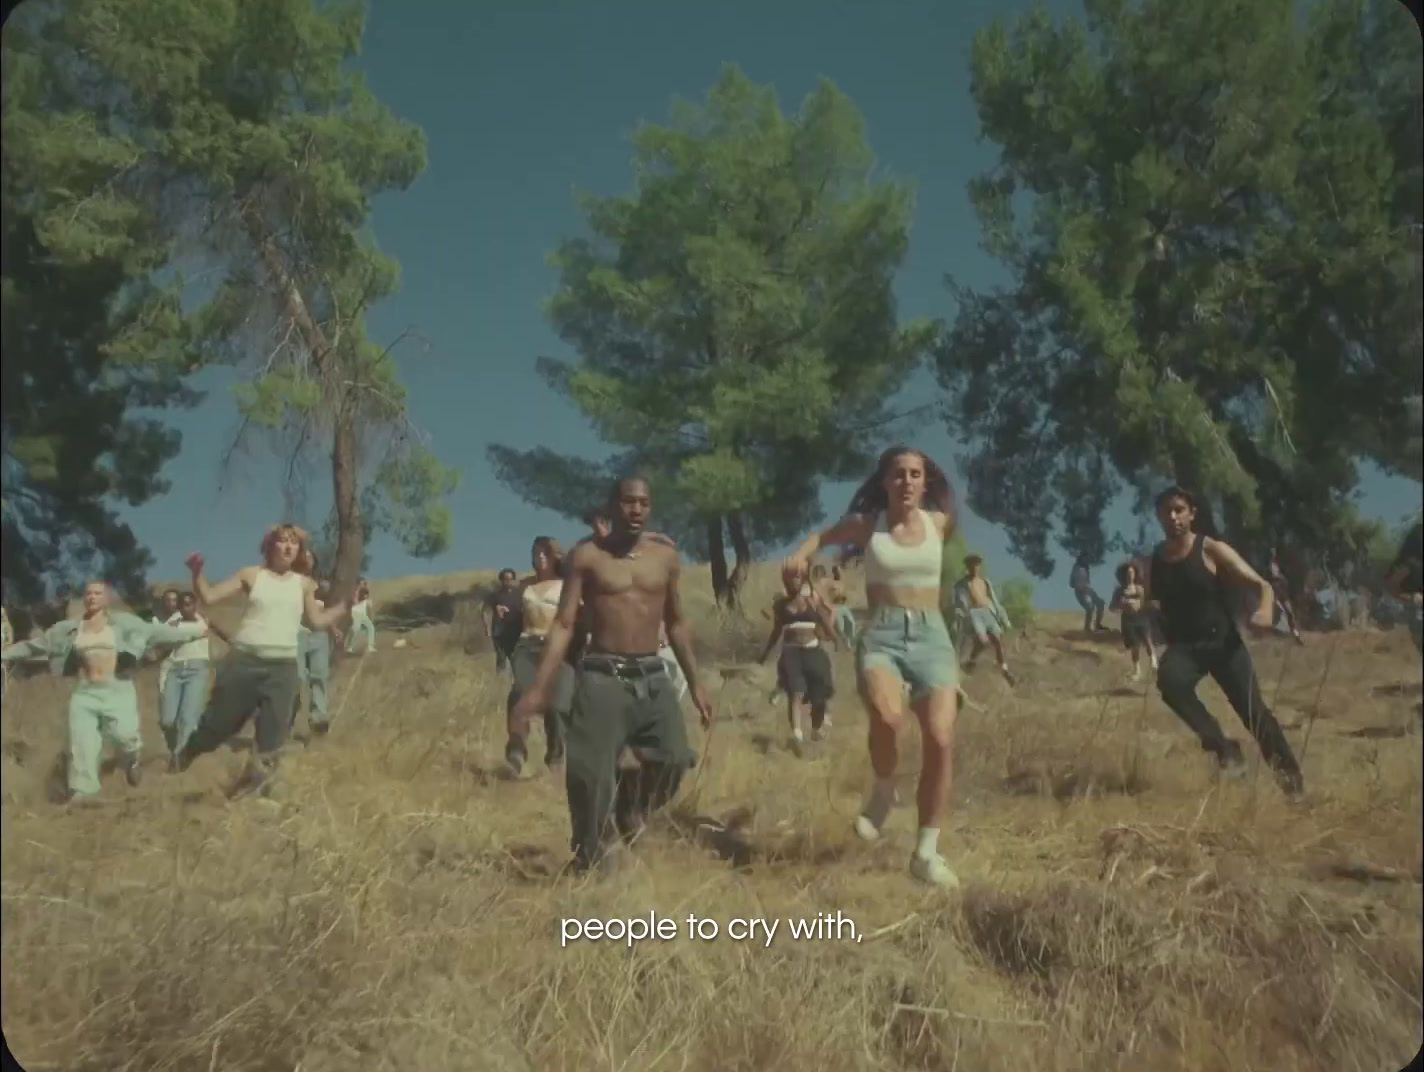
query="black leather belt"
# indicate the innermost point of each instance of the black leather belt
(624, 666)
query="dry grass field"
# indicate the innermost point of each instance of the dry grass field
(397, 906)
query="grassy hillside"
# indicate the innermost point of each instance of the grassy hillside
(400, 907)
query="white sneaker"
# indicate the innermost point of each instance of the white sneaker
(933, 870)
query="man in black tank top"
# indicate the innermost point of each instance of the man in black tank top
(1188, 582)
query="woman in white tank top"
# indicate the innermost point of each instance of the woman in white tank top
(259, 676)
(900, 519)
(540, 602)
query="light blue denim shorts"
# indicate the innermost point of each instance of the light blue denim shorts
(983, 622)
(913, 643)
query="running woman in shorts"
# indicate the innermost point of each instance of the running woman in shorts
(800, 620)
(899, 519)
(1130, 600)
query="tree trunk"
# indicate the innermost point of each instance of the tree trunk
(349, 535)
(717, 556)
(742, 551)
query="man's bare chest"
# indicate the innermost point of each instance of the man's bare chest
(610, 577)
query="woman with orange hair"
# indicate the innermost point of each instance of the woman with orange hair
(260, 674)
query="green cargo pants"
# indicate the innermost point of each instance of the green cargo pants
(98, 711)
(621, 702)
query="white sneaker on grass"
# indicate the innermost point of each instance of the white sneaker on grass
(934, 871)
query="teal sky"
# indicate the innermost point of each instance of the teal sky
(523, 104)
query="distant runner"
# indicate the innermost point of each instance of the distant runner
(186, 694)
(1130, 600)
(503, 618)
(314, 667)
(974, 592)
(1405, 581)
(800, 617)
(363, 624)
(1087, 597)
(540, 603)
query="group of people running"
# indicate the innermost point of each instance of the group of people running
(597, 644)
(282, 644)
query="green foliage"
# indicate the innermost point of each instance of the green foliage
(260, 150)
(409, 498)
(1211, 215)
(734, 318)
(89, 338)
(952, 565)
(1016, 594)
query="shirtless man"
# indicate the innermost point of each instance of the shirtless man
(987, 617)
(627, 584)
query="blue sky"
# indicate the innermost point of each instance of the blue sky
(525, 103)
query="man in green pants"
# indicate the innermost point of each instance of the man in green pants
(624, 696)
(102, 649)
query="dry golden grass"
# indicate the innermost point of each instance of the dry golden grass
(398, 907)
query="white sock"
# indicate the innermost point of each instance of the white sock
(796, 733)
(928, 845)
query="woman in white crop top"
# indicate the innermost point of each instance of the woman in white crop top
(362, 622)
(539, 599)
(900, 519)
(259, 675)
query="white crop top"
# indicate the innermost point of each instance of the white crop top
(273, 616)
(549, 597)
(89, 642)
(893, 565)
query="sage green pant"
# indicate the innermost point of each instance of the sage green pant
(106, 710)
(621, 703)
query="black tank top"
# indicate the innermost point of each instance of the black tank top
(1195, 607)
(808, 614)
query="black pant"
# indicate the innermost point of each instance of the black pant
(805, 674)
(504, 642)
(248, 687)
(1229, 663)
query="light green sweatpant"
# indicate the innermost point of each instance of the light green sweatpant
(99, 711)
